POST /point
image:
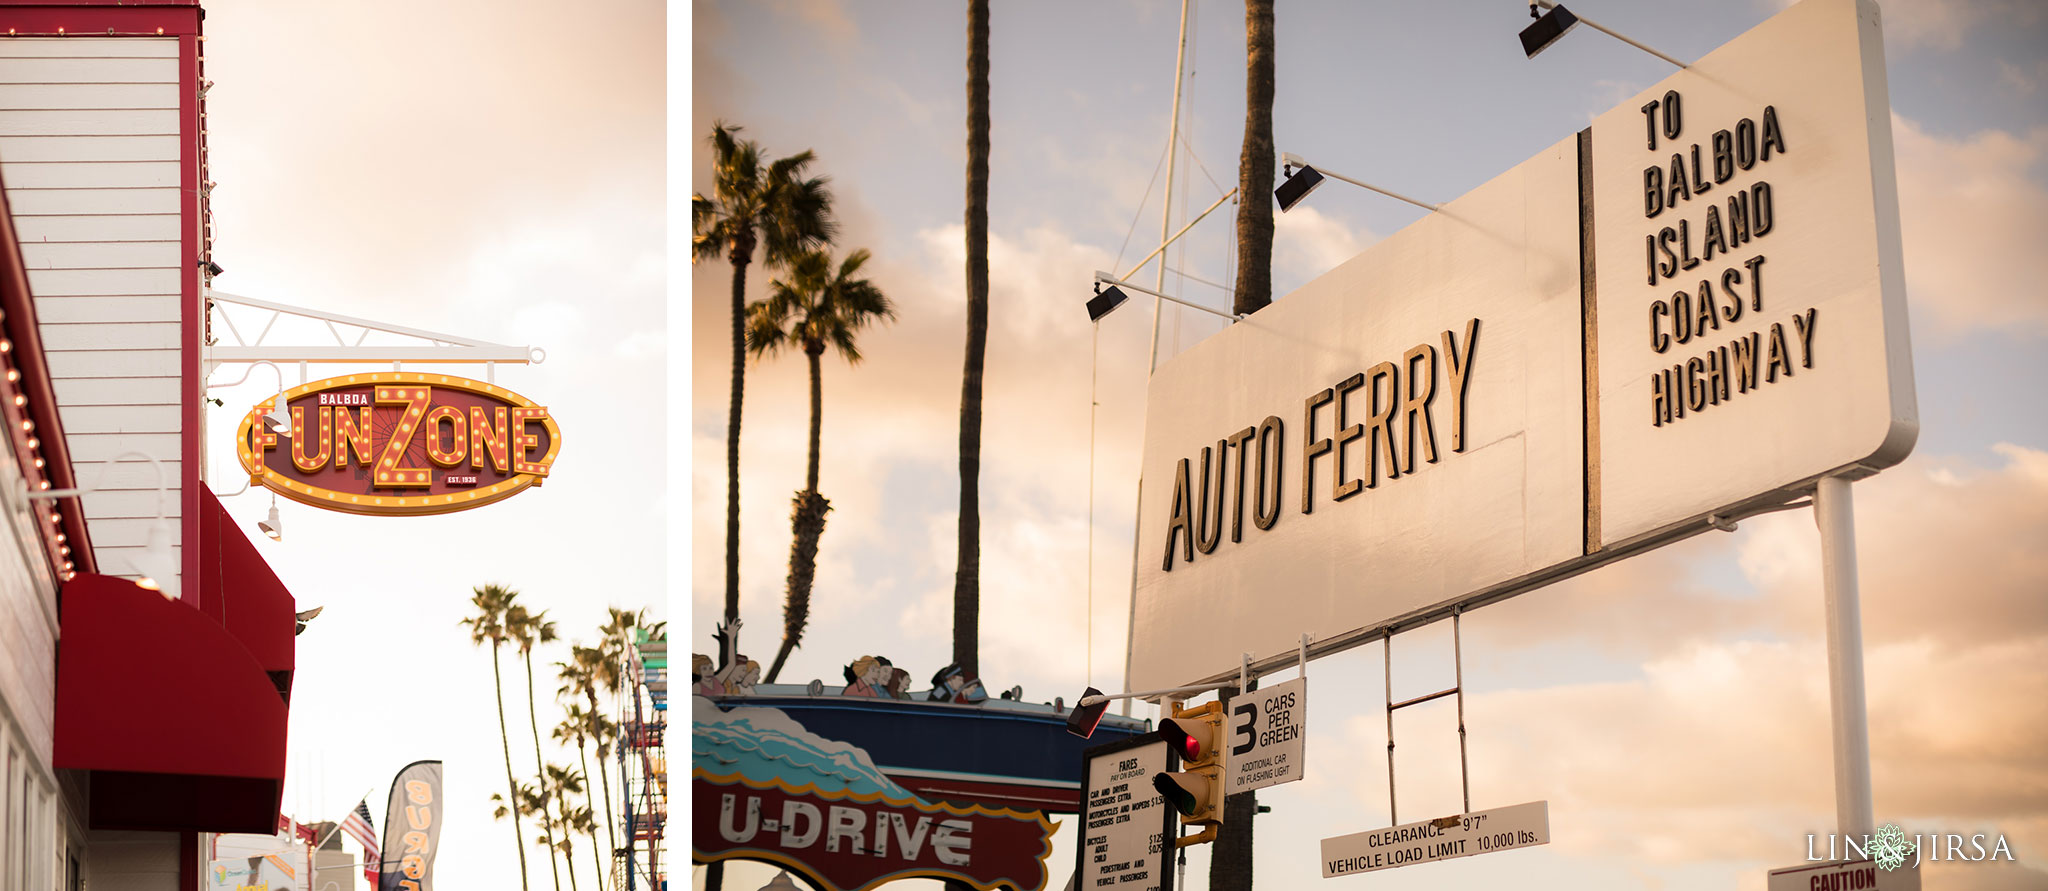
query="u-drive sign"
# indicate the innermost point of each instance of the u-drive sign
(1266, 733)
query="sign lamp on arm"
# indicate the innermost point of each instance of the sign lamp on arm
(1555, 24)
(1107, 300)
(156, 567)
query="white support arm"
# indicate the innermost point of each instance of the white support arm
(1106, 279)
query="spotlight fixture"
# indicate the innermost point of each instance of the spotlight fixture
(213, 270)
(1110, 298)
(1548, 27)
(273, 527)
(1103, 303)
(279, 418)
(1554, 24)
(1299, 183)
(1303, 179)
(302, 617)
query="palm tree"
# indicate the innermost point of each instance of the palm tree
(580, 819)
(492, 602)
(967, 576)
(587, 671)
(528, 629)
(1255, 164)
(533, 801)
(814, 307)
(776, 208)
(579, 726)
(562, 785)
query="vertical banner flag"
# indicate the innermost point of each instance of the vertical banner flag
(412, 829)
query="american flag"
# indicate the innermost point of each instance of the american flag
(357, 825)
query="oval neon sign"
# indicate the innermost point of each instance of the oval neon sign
(400, 443)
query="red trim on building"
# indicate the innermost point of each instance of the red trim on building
(188, 859)
(24, 334)
(92, 18)
(193, 381)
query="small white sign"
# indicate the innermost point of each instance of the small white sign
(1125, 822)
(1480, 832)
(1861, 875)
(1267, 733)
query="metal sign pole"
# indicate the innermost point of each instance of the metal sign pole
(1387, 647)
(1834, 511)
(1458, 660)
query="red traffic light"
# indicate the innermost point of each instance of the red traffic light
(1183, 743)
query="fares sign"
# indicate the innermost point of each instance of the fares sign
(400, 443)
(1126, 825)
(1695, 307)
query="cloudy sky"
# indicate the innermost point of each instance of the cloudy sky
(489, 170)
(1672, 709)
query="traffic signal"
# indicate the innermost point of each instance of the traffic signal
(1196, 790)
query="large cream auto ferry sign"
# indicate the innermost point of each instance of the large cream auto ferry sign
(1686, 313)
(400, 443)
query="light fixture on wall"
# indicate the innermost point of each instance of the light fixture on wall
(278, 418)
(156, 568)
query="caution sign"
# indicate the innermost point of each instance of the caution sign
(1268, 733)
(1127, 829)
(1860, 875)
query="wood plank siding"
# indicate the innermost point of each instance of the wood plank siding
(89, 155)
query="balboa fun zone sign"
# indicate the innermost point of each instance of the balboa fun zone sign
(1686, 313)
(400, 443)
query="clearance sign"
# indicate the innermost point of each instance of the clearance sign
(400, 443)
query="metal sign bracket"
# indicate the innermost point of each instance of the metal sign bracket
(1457, 689)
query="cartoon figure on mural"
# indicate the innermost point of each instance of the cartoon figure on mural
(704, 676)
(734, 673)
(955, 684)
(867, 676)
(899, 684)
(740, 677)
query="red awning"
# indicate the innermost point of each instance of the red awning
(181, 725)
(238, 589)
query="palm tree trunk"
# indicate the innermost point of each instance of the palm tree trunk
(511, 785)
(540, 775)
(967, 577)
(611, 832)
(732, 433)
(1255, 164)
(584, 762)
(814, 353)
(807, 526)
